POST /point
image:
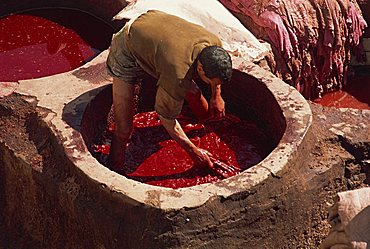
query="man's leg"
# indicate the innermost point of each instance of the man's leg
(197, 102)
(124, 110)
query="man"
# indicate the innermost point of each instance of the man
(175, 52)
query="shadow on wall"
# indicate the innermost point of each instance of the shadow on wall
(73, 112)
(94, 74)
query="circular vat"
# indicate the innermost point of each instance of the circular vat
(278, 112)
(243, 138)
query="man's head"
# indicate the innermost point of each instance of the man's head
(214, 62)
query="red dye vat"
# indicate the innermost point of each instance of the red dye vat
(355, 95)
(154, 158)
(44, 42)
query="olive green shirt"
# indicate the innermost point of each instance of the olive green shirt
(166, 46)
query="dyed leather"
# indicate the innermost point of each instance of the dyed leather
(312, 39)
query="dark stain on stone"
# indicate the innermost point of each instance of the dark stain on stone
(95, 74)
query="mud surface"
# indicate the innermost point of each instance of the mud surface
(342, 144)
(45, 204)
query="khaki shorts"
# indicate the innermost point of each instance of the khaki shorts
(121, 63)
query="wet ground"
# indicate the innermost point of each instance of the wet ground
(342, 141)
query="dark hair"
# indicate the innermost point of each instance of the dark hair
(216, 63)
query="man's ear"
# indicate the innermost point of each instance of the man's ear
(200, 69)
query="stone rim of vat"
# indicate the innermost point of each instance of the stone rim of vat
(55, 92)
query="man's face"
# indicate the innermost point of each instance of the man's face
(213, 81)
(205, 79)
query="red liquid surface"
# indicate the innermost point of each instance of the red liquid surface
(44, 42)
(154, 158)
(355, 95)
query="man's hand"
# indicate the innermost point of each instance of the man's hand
(217, 107)
(201, 157)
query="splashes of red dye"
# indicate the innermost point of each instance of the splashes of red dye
(32, 46)
(154, 158)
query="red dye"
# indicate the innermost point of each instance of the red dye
(355, 95)
(32, 45)
(154, 158)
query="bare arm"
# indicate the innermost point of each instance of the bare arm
(217, 104)
(173, 127)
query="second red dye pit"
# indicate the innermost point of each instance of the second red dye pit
(44, 42)
(154, 158)
(355, 95)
